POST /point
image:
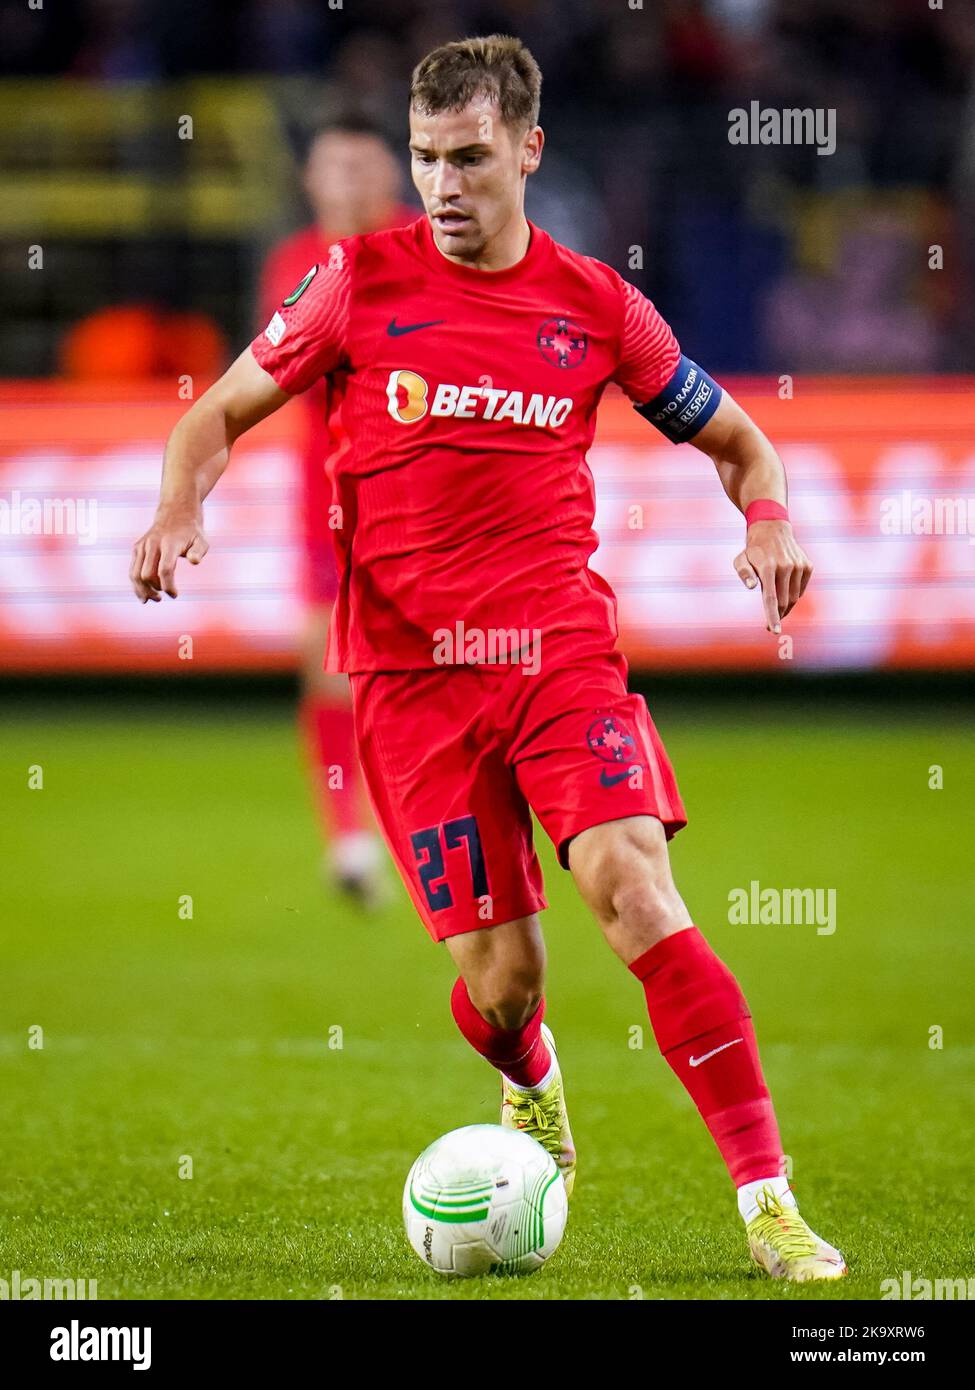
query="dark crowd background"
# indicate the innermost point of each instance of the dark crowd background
(769, 258)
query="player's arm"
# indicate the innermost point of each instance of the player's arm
(752, 472)
(197, 452)
(685, 404)
(304, 341)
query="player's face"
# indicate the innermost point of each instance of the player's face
(351, 181)
(469, 168)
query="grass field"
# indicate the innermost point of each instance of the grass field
(209, 1037)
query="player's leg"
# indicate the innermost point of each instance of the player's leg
(354, 858)
(498, 1004)
(595, 771)
(703, 1028)
(697, 1011)
(502, 971)
(460, 834)
(498, 998)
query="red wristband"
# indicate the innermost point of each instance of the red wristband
(764, 509)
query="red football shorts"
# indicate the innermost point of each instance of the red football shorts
(456, 758)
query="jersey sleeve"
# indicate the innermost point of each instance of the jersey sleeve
(649, 352)
(666, 387)
(306, 336)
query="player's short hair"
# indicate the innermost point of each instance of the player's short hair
(347, 123)
(498, 67)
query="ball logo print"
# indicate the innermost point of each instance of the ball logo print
(562, 342)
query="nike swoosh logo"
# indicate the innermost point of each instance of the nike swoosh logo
(396, 330)
(608, 781)
(696, 1061)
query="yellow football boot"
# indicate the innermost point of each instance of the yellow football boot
(783, 1245)
(543, 1115)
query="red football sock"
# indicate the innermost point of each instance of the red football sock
(518, 1052)
(329, 735)
(704, 1030)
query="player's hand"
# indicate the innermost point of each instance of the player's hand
(154, 555)
(774, 559)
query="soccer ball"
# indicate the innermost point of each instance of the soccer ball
(484, 1200)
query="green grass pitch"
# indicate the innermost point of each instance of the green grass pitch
(213, 1038)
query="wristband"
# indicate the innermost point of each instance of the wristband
(764, 509)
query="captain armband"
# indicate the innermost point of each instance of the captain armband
(686, 403)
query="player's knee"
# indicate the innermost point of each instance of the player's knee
(507, 1000)
(648, 906)
(624, 874)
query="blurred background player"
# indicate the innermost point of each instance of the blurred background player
(353, 183)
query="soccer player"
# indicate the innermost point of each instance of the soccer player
(352, 182)
(472, 351)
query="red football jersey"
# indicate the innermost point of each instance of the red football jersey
(283, 270)
(469, 404)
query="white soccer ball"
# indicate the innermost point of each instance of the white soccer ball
(484, 1200)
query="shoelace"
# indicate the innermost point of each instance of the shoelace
(782, 1227)
(539, 1119)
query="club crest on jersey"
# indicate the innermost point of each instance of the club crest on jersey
(409, 399)
(562, 342)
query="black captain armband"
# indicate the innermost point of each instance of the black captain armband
(686, 403)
